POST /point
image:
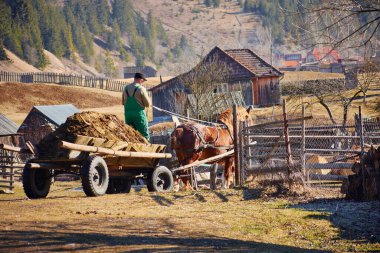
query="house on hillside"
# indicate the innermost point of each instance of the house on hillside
(129, 72)
(323, 60)
(324, 55)
(42, 120)
(256, 79)
(291, 62)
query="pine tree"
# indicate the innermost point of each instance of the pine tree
(109, 66)
(5, 27)
(216, 3)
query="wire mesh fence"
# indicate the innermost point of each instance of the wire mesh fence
(302, 147)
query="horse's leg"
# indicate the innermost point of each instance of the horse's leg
(229, 170)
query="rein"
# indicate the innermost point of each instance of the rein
(208, 144)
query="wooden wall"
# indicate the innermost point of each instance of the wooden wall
(35, 127)
(264, 93)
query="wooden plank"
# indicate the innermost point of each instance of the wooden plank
(7, 174)
(315, 166)
(47, 166)
(310, 136)
(236, 146)
(256, 171)
(106, 151)
(12, 166)
(14, 149)
(10, 148)
(208, 160)
(308, 150)
(7, 181)
(7, 186)
(278, 122)
(56, 160)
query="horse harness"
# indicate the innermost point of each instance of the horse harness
(205, 144)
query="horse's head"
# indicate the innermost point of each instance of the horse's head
(226, 117)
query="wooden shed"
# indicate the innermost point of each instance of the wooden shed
(42, 120)
(8, 132)
(257, 79)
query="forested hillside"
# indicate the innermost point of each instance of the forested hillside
(110, 34)
(68, 29)
(289, 19)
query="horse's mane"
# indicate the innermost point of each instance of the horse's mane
(226, 117)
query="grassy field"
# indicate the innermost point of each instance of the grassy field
(245, 220)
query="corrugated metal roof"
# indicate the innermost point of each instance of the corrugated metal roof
(7, 126)
(57, 113)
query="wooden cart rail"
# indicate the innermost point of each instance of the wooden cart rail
(208, 160)
(107, 151)
(14, 149)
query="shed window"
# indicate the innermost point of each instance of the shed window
(223, 87)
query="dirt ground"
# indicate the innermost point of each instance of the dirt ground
(203, 221)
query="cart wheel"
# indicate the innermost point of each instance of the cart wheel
(94, 174)
(119, 185)
(161, 180)
(36, 182)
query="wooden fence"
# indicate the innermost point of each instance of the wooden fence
(63, 79)
(324, 154)
(11, 168)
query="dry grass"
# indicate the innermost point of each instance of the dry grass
(161, 127)
(230, 220)
(19, 98)
(291, 76)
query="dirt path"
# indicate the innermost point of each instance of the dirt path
(205, 221)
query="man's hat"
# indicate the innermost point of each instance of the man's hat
(140, 76)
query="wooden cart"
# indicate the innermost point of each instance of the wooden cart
(104, 167)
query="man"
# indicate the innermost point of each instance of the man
(135, 99)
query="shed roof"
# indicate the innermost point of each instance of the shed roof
(7, 126)
(245, 64)
(57, 113)
(255, 64)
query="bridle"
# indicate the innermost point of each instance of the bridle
(202, 143)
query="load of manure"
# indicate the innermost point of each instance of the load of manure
(92, 124)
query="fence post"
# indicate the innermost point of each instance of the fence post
(303, 149)
(362, 150)
(241, 153)
(236, 146)
(289, 159)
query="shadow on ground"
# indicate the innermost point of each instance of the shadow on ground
(355, 220)
(21, 241)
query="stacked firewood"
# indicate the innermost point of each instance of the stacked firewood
(367, 173)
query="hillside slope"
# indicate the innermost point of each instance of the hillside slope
(205, 27)
(19, 98)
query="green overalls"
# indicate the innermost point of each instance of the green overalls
(135, 115)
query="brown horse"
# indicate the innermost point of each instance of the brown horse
(193, 142)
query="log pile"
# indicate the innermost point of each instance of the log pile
(92, 124)
(353, 187)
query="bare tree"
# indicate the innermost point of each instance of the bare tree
(326, 93)
(340, 24)
(369, 75)
(203, 79)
